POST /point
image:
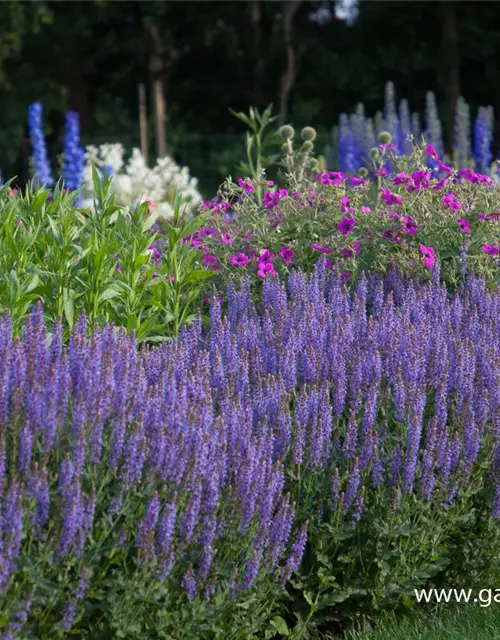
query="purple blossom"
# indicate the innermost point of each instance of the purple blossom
(295, 558)
(346, 226)
(240, 259)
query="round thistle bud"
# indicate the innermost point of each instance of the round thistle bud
(287, 132)
(374, 153)
(384, 137)
(285, 149)
(314, 164)
(362, 172)
(307, 145)
(308, 133)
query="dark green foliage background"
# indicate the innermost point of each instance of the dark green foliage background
(90, 56)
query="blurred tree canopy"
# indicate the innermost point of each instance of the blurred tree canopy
(210, 55)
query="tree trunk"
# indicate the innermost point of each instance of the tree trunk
(288, 77)
(78, 90)
(143, 121)
(157, 71)
(258, 70)
(451, 65)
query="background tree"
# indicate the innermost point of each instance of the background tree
(209, 56)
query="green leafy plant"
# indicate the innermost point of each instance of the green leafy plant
(97, 260)
(259, 140)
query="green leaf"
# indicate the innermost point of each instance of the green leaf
(35, 280)
(96, 179)
(148, 223)
(197, 275)
(280, 625)
(55, 230)
(241, 116)
(69, 305)
(111, 292)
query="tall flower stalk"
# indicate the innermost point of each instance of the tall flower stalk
(41, 161)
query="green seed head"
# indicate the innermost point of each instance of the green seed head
(287, 132)
(285, 149)
(308, 134)
(307, 145)
(362, 172)
(374, 153)
(384, 137)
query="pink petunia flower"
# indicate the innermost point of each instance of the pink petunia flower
(351, 250)
(332, 178)
(464, 225)
(225, 238)
(490, 250)
(209, 231)
(265, 255)
(390, 198)
(321, 249)
(287, 255)
(493, 216)
(211, 263)
(451, 201)
(265, 269)
(346, 226)
(445, 169)
(240, 260)
(357, 182)
(409, 225)
(344, 204)
(431, 151)
(401, 178)
(428, 255)
(426, 251)
(421, 179)
(246, 185)
(392, 235)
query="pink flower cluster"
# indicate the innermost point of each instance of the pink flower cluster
(216, 207)
(246, 185)
(331, 178)
(271, 200)
(264, 260)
